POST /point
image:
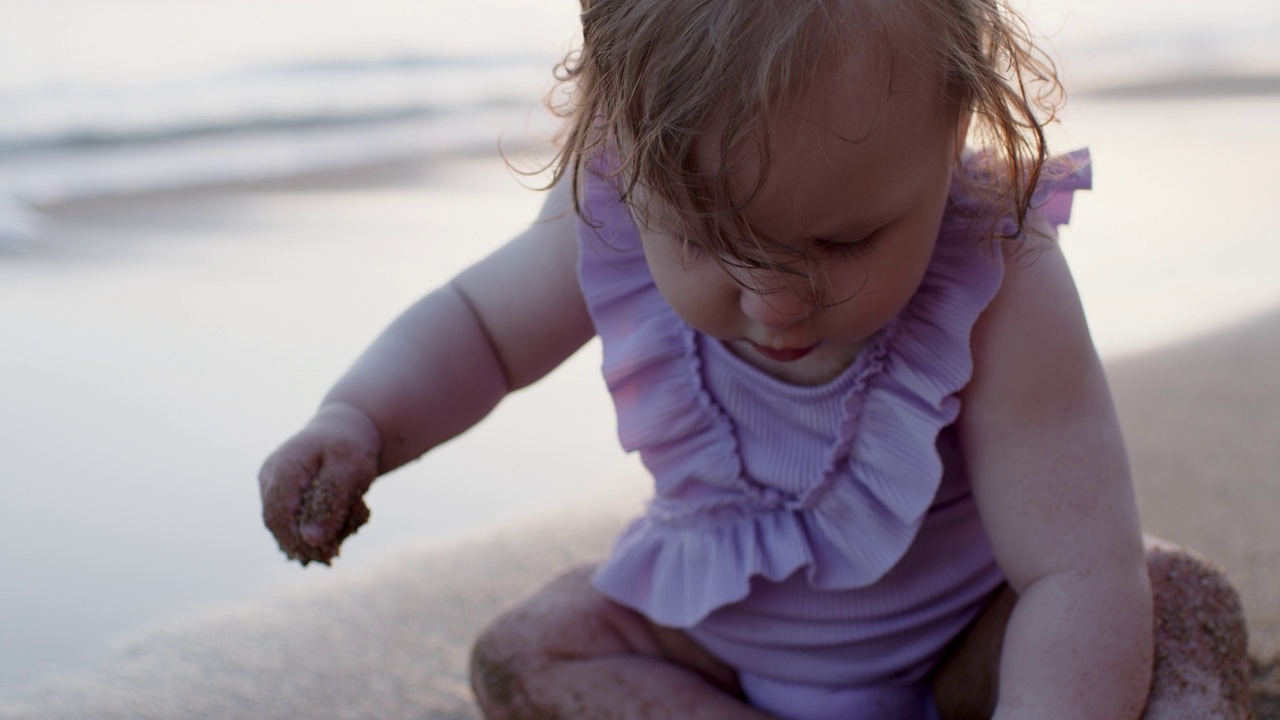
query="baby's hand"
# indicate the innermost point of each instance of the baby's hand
(313, 484)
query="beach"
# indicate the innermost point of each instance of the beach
(158, 346)
(168, 342)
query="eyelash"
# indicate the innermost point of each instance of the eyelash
(851, 250)
(858, 249)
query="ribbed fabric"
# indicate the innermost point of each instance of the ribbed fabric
(764, 408)
(806, 535)
(790, 701)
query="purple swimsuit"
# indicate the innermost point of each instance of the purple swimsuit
(822, 540)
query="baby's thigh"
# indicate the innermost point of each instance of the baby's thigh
(966, 683)
(568, 620)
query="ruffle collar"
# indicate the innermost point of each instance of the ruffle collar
(710, 529)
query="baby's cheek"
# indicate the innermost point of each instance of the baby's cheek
(711, 311)
(703, 297)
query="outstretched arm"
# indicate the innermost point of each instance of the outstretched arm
(498, 326)
(1051, 478)
(433, 373)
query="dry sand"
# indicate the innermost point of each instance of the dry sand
(389, 641)
(1202, 420)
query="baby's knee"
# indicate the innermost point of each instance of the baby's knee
(1201, 645)
(510, 662)
(511, 655)
(496, 669)
(1193, 598)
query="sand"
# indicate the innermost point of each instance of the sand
(385, 641)
(165, 343)
(391, 639)
(1201, 420)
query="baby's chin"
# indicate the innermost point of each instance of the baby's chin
(814, 365)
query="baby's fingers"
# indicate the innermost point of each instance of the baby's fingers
(283, 480)
(331, 507)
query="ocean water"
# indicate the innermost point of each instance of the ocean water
(110, 97)
(106, 97)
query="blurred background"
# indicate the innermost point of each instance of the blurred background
(208, 208)
(105, 97)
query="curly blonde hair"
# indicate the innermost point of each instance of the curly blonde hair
(655, 80)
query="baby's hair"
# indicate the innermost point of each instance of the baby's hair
(655, 80)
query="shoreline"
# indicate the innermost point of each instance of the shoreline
(1210, 86)
(1225, 85)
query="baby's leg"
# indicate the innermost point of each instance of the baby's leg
(1201, 649)
(567, 652)
(1201, 659)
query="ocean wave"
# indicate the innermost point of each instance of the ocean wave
(273, 120)
(393, 62)
(19, 224)
(300, 95)
(77, 139)
(71, 173)
(300, 112)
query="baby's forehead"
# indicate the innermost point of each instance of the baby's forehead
(873, 100)
(844, 158)
(854, 93)
(857, 53)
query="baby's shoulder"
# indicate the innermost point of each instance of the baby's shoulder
(1032, 334)
(988, 203)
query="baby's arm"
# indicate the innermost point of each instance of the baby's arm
(1051, 478)
(498, 326)
(434, 372)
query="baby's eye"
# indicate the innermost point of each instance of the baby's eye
(848, 249)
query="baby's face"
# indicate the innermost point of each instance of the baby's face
(860, 173)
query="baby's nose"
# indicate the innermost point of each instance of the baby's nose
(775, 308)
